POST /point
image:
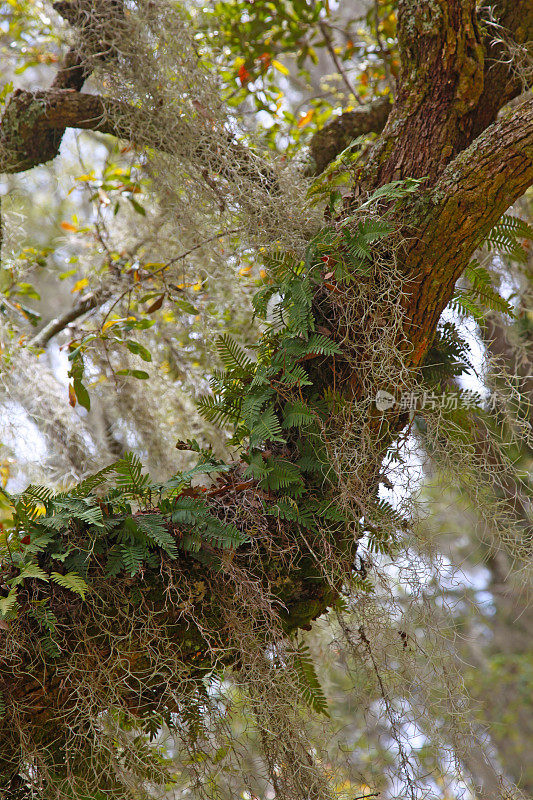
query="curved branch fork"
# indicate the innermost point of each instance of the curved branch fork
(34, 123)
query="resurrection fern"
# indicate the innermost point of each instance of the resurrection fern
(480, 297)
(308, 683)
(119, 524)
(507, 237)
(61, 537)
(447, 357)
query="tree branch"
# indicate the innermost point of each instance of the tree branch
(453, 218)
(34, 123)
(55, 326)
(501, 80)
(331, 140)
(331, 50)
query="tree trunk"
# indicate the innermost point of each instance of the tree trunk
(443, 129)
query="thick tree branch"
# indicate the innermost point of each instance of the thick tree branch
(441, 79)
(454, 217)
(34, 123)
(331, 140)
(484, 77)
(501, 80)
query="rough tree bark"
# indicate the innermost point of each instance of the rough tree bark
(443, 127)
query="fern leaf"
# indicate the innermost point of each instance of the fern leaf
(232, 355)
(153, 525)
(282, 475)
(257, 466)
(219, 410)
(188, 510)
(267, 428)
(8, 605)
(308, 683)
(89, 484)
(30, 571)
(298, 415)
(254, 402)
(322, 345)
(129, 475)
(115, 562)
(71, 581)
(133, 556)
(223, 535)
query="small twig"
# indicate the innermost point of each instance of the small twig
(231, 487)
(340, 68)
(364, 796)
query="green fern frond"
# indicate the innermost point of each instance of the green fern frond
(30, 571)
(71, 581)
(506, 234)
(253, 402)
(232, 355)
(267, 428)
(9, 604)
(89, 484)
(223, 535)
(129, 475)
(322, 345)
(295, 376)
(154, 527)
(39, 494)
(219, 410)
(297, 415)
(189, 510)
(282, 475)
(464, 304)
(308, 683)
(133, 556)
(115, 561)
(257, 468)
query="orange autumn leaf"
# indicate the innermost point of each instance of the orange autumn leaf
(244, 75)
(71, 395)
(68, 226)
(306, 119)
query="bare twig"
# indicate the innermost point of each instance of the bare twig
(336, 61)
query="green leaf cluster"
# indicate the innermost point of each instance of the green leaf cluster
(116, 521)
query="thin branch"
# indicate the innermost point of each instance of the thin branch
(95, 299)
(55, 326)
(340, 69)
